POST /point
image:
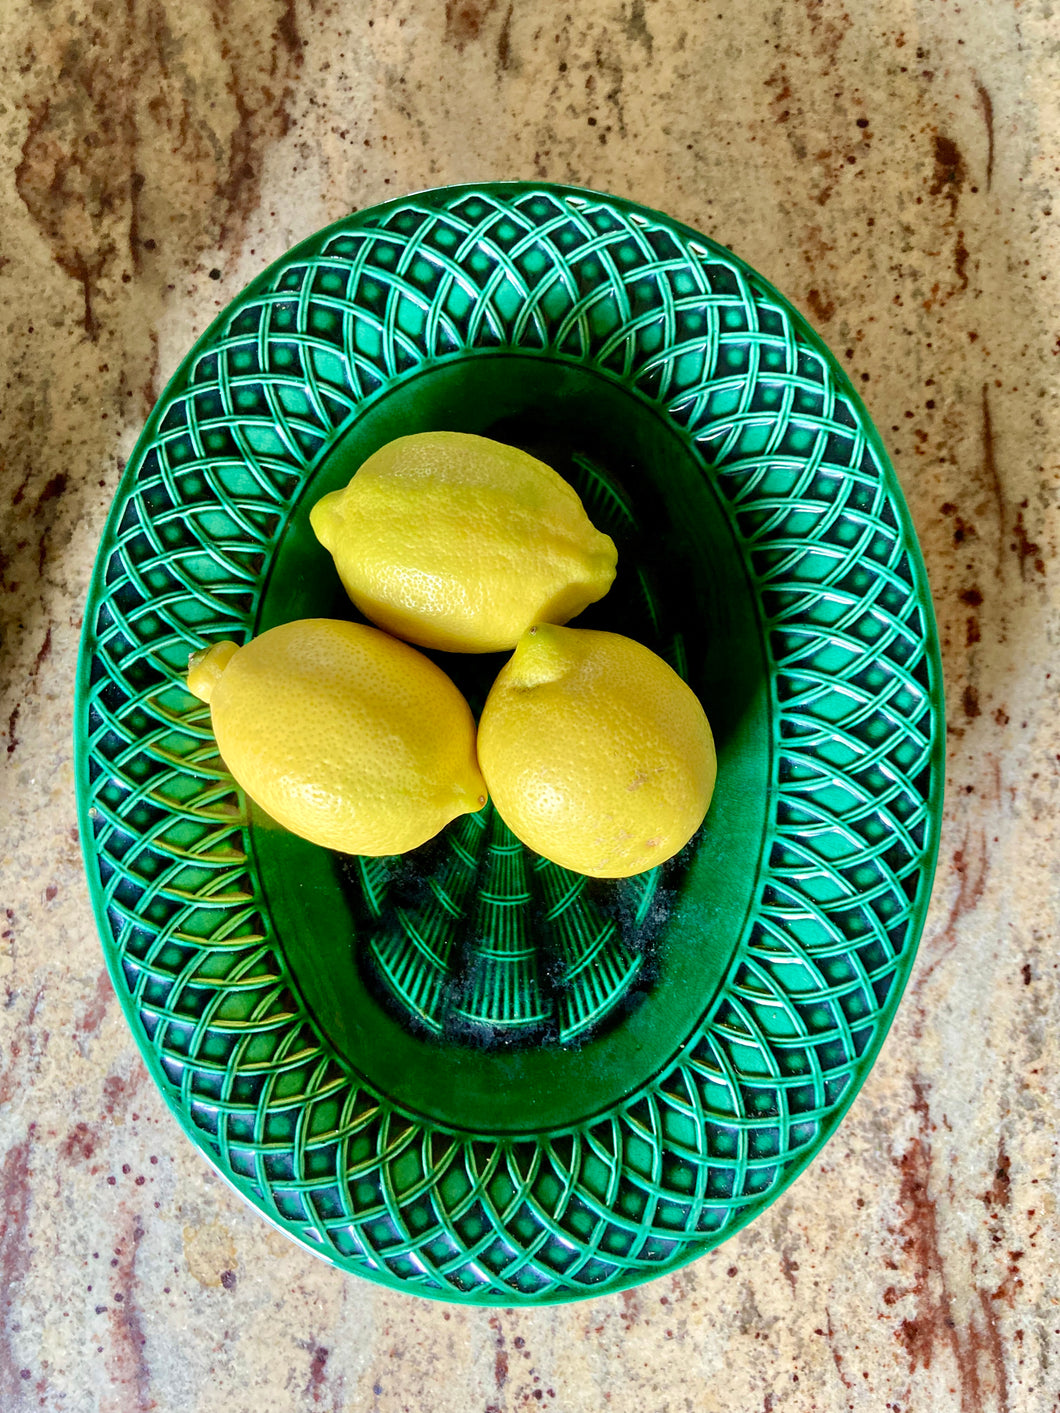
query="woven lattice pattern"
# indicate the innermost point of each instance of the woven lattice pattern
(854, 687)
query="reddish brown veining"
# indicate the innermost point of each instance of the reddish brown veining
(126, 1358)
(43, 654)
(837, 1358)
(987, 105)
(79, 1144)
(949, 174)
(1011, 1283)
(91, 1018)
(52, 489)
(931, 1325)
(118, 1089)
(993, 476)
(918, 1229)
(985, 548)
(998, 1194)
(318, 1373)
(960, 260)
(973, 597)
(137, 386)
(51, 183)
(259, 122)
(781, 99)
(500, 1354)
(12, 722)
(985, 1340)
(317, 1384)
(823, 308)
(35, 507)
(1024, 547)
(828, 28)
(45, 514)
(287, 32)
(971, 866)
(942, 292)
(100, 186)
(25, 1044)
(149, 381)
(15, 1252)
(464, 20)
(504, 41)
(962, 529)
(824, 141)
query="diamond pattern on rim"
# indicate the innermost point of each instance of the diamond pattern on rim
(853, 678)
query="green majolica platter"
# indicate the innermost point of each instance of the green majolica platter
(467, 1073)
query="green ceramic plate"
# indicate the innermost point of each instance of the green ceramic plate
(468, 1073)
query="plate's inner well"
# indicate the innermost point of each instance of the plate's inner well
(471, 967)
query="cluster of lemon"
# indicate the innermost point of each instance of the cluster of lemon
(595, 753)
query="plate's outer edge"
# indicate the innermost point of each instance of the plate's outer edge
(817, 509)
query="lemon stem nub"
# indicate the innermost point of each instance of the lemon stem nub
(539, 656)
(206, 666)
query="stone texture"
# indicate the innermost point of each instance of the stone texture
(891, 167)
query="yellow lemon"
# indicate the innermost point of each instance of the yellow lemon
(597, 755)
(342, 734)
(459, 542)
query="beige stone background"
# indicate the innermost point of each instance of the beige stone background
(889, 164)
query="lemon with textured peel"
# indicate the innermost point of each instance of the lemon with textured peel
(597, 755)
(342, 734)
(459, 542)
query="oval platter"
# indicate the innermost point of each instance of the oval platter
(468, 1074)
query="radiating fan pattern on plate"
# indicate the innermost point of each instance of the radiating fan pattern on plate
(706, 1143)
(497, 944)
(491, 941)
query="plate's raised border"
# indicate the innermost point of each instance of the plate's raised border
(856, 699)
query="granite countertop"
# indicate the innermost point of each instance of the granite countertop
(891, 168)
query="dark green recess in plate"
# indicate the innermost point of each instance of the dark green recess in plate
(503, 958)
(468, 1073)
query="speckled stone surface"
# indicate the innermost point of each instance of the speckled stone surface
(891, 167)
